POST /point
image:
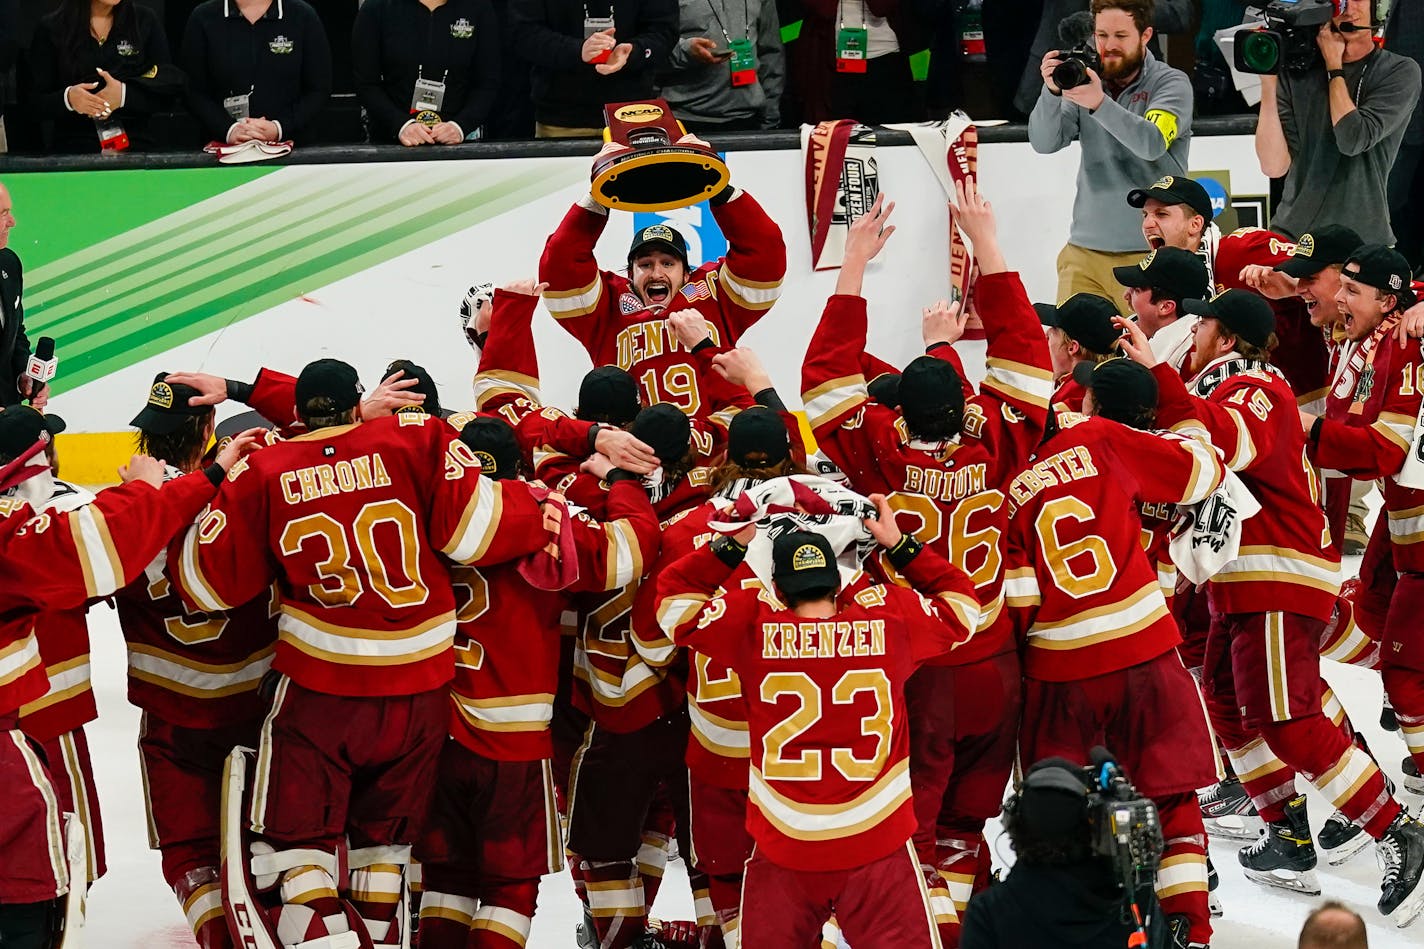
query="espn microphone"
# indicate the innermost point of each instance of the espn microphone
(42, 364)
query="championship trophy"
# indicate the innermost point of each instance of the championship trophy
(654, 170)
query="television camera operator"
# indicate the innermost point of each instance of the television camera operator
(1333, 114)
(1074, 884)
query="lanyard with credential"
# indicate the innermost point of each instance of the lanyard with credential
(851, 42)
(743, 62)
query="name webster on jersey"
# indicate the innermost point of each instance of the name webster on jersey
(1072, 464)
(823, 639)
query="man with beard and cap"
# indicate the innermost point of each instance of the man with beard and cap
(823, 664)
(494, 826)
(945, 461)
(1377, 400)
(60, 560)
(1134, 124)
(1271, 604)
(621, 318)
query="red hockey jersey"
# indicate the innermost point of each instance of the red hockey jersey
(829, 785)
(1286, 559)
(1079, 585)
(1370, 429)
(69, 702)
(507, 643)
(1300, 351)
(61, 560)
(351, 521)
(601, 310)
(951, 496)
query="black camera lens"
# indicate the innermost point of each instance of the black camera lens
(1070, 74)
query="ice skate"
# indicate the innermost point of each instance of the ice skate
(1227, 811)
(1413, 781)
(1178, 930)
(1341, 839)
(1284, 855)
(1213, 901)
(1400, 853)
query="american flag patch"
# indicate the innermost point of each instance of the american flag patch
(629, 304)
(696, 291)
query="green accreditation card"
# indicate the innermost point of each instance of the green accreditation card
(743, 62)
(851, 43)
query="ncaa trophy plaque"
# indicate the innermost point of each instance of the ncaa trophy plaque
(655, 170)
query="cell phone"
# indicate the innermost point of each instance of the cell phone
(721, 51)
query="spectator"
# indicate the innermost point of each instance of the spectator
(9, 53)
(585, 54)
(512, 118)
(861, 59)
(1333, 926)
(1333, 132)
(14, 345)
(1404, 34)
(99, 70)
(1168, 16)
(728, 68)
(427, 71)
(258, 70)
(1134, 125)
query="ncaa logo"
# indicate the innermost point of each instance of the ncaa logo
(1216, 193)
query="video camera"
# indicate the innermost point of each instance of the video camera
(1286, 39)
(1078, 52)
(1125, 827)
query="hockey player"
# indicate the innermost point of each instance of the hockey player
(944, 462)
(351, 519)
(620, 320)
(494, 828)
(1156, 287)
(1100, 663)
(823, 666)
(195, 676)
(1079, 330)
(1368, 437)
(1262, 671)
(59, 560)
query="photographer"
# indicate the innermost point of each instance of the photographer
(1333, 131)
(1059, 892)
(1132, 115)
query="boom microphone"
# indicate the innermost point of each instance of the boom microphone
(1075, 28)
(42, 364)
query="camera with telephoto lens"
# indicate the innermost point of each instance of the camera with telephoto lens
(1125, 827)
(1286, 40)
(1078, 51)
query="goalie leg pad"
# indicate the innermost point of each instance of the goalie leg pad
(200, 893)
(378, 891)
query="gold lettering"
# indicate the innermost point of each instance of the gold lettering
(289, 488)
(363, 472)
(326, 477)
(861, 628)
(827, 641)
(877, 637)
(1086, 458)
(769, 649)
(345, 479)
(808, 640)
(378, 471)
(843, 647)
(788, 640)
(308, 480)
(914, 479)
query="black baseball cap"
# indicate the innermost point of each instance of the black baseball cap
(802, 562)
(1318, 249)
(760, 432)
(167, 407)
(424, 384)
(1053, 801)
(21, 426)
(1180, 273)
(930, 393)
(1375, 265)
(1241, 311)
(609, 395)
(1121, 388)
(665, 430)
(1086, 318)
(659, 236)
(1174, 189)
(331, 381)
(885, 389)
(493, 442)
(1046, 313)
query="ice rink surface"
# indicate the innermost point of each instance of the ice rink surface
(132, 908)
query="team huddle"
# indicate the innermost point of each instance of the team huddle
(397, 663)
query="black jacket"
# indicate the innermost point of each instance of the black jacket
(14, 345)
(1063, 907)
(282, 61)
(396, 41)
(570, 92)
(141, 61)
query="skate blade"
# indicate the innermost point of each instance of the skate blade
(1305, 883)
(1214, 905)
(1413, 785)
(1408, 911)
(1348, 850)
(1233, 827)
